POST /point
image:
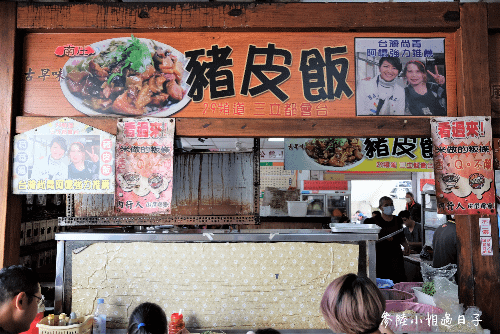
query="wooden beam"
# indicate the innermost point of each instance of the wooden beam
(493, 15)
(478, 275)
(359, 127)
(337, 16)
(10, 219)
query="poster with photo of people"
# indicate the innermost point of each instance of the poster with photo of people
(400, 77)
(64, 157)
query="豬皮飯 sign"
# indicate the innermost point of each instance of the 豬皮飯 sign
(463, 165)
(220, 75)
(64, 157)
(359, 154)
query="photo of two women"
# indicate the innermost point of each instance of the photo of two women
(400, 86)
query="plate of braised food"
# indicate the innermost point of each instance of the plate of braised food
(127, 77)
(336, 153)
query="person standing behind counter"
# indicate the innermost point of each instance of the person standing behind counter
(414, 207)
(412, 231)
(382, 96)
(389, 256)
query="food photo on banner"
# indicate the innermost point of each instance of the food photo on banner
(103, 79)
(400, 77)
(359, 154)
(64, 157)
(463, 165)
(144, 165)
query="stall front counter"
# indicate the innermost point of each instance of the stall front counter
(223, 280)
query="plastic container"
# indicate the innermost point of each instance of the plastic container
(416, 321)
(176, 323)
(297, 208)
(84, 326)
(422, 297)
(99, 318)
(396, 295)
(407, 286)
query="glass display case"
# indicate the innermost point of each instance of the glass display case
(316, 204)
(338, 206)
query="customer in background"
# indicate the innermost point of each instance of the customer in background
(20, 296)
(389, 256)
(412, 231)
(265, 331)
(147, 318)
(354, 305)
(444, 244)
(376, 213)
(414, 207)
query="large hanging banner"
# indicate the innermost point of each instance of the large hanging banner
(463, 165)
(229, 74)
(64, 157)
(144, 165)
(359, 154)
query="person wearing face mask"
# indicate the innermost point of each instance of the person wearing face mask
(381, 95)
(390, 263)
(414, 208)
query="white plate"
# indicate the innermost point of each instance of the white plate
(346, 167)
(166, 111)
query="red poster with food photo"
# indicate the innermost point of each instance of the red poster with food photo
(144, 165)
(463, 165)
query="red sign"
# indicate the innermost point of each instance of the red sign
(325, 185)
(463, 165)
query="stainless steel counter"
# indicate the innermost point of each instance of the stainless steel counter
(69, 242)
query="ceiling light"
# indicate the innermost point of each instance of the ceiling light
(276, 139)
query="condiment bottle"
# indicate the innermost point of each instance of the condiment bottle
(72, 319)
(176, 323)
(62, 319)
(50, 320)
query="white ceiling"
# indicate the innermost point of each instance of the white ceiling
(227, 144)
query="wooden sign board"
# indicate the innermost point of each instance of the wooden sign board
(225, 75)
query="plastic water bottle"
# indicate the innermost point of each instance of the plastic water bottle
(99, 326)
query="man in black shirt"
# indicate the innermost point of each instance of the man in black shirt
(444, 244)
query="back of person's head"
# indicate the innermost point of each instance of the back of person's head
(404, 214)
(267, 331)
(16, 279)
(376, 213)
(147, 318)
(352, 304)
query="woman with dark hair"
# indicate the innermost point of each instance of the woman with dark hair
(381, 95)
(424, 98)
(353, 304)
(54, 166)
(147, 318)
